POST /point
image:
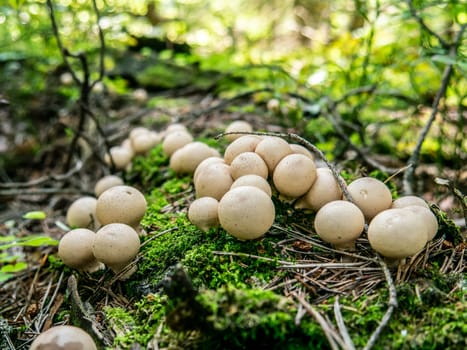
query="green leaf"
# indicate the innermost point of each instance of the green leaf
(35, 215)
(31, 241)
(5, 276)
(19, 266)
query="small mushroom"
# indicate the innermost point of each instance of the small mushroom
(294, 175)
(116, 245)
(175, 140)
(272, 149)
(203, 213)
(82, 213)
(186, 159)
(397, 233)
(253, 180)
(405, 201)
(144, 141)
(246, 212)
(324, 190)
(238, 125)
(371, 195)
(175, 127)
(427, 217)
(63, 338)
(106, 182)
(121, 156)
(75, 250)
(339, 223)
(123, 204)
(248, 163)
(299, 149)
(213, 181)
(245, 143)
(204, 164)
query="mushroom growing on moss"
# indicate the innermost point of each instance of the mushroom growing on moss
(294, 175)
(203, 213)
(248, 163)
(405, 201)
(253, 180)
(371, 195)
(245, 143)
(272, 149)
(63, 338)
(397, 233)
(175, 140)
(185, 160)
(106, 182)
(82, 213)
(246, 212)
(213, 181)
(116, 245)
(121, 157)
(75, 250)
(123, 204)
(339, 223)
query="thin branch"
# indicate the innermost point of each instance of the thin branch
(341, 325)
(102, 46)
(414, 158)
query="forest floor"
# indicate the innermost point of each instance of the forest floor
(200, 290)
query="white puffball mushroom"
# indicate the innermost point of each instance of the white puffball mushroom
(123, 204)
(248, 163)
(175, 127)
(82, 212)
(272, 149)
(175, 140)
(397, 233)
(299, 149)
(116, 245)
(136, 131)
(246, 143)
(339, 223)
(126, 144)
(371, 195)
(427, 217)
(238, 125)
(63, 338)
(246, 212)
(213, 181)
(121, 157)
(206, 162)
(253, 180)
(294, 175)
(405, 201)
(186, 159)
(143, 142)
(324, 190)
(203, 213)
(106, 182)
(75, 250)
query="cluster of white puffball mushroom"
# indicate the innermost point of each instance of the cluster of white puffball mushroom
(234, 192)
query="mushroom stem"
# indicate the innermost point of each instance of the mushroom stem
(347, 246)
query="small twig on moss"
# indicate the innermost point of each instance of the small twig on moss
(331, 334)
(341, 326)
(392, 305)
(414, 158)
(303, 142)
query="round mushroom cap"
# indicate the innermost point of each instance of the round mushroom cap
(203, 213)
(339, 223)
(253, 180)
(106, 182)
(213, 181)
(294, 175)
(143, 142)
(175, 127)
(126, 144)
(186, 159)
(272, 149)
(246, 212)
(324, 190)
(63, 338)
(204, 164)
(397, 233)
(136, 131)
(427, 217)
(121, 156)
(405, 201)
(299, 149)
(238, 125)
(82, 212)
(116, 245)
(123, 204)
(175, 140)
(245, 143)
(248, 163)
(75, 250)
(371, 195)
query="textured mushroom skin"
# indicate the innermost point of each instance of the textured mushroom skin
(370, 195)
(246, 143)
(272, 149)
(203, 213)
(248, 163)
(294, 175)
(246, 212)
(82, 212)
(324, 190)
(75, 249)
(63, 338)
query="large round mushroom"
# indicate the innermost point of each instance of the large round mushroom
(82, 213)
(371, 195)
(63, 338)
(272, 149)
(248, 163)
(246, 212)
(203, 213)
